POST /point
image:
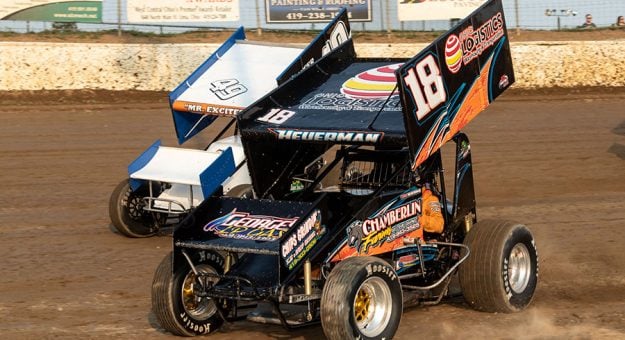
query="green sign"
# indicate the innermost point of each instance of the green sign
(68, 11)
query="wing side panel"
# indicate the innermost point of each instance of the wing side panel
(451, 81)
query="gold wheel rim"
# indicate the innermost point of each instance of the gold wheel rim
(372, 307)
(361, 305)
(201, 308)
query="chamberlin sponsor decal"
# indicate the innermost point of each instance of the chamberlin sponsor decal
(242, 225)
(340, 102)
(402, 228)
(329, 136)
(384, 226)
(376, 83)
(476, 41)
(301, 241)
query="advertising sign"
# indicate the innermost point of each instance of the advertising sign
(408, 10)
(163, 11)
(46, 10)
(281, 11)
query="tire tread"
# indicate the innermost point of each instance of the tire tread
(480, 275)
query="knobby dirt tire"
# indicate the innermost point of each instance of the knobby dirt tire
(341, 300)
(130, 223)
(168, 304)
(501, 272)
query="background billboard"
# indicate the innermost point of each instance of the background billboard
(283, 11)
(43, 10)
(168, 11)
(408, 10)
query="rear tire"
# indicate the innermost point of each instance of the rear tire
(176, 307)
(362, 299)
(127, 214)
(501, 272)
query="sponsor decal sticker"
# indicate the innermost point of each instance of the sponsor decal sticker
(504, 81)
(340, 102)
(453, 53)
(476, 41)
(242, 225)
(465, 148)
(225, 89)
(329, 136)
(386, 225)
(407, 261)
(213, 110)
(302, 240)
(410, 193)
(377, 83)
(471, 43)
(409, 257)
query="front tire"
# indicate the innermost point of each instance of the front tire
(362, 299)
(501, 272)
(176, 307)
(127, 214)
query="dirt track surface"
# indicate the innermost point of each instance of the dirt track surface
(554, 162)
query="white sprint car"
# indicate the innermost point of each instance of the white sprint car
(166, 183)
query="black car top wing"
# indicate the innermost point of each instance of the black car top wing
(341, 99)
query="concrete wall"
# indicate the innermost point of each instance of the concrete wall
(50, 66)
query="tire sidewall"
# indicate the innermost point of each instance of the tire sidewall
(142, 227)
(518, 301)
(388, 275)
(189, 323)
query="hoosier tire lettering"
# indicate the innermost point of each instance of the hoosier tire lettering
(378, 268)
(196, 328)
(501, 272)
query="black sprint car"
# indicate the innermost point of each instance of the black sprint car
(352, 220)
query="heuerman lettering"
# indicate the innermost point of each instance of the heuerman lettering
(329, 136)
